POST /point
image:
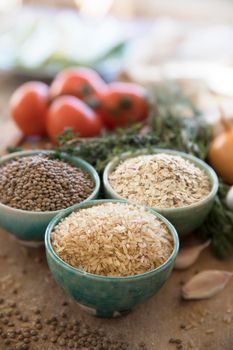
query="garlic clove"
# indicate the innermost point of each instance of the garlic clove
(188, 256)
(206, 284)
(229, 198)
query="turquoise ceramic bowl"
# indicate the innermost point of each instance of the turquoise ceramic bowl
(102, 295)
(185, 219)
(30, 226)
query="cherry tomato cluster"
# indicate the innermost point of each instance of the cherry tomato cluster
(78, 98)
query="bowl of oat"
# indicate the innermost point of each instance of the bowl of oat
(35, 186)
(179, 186)
(110, 255)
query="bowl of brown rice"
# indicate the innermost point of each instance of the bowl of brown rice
(179, 186)
(110, 255)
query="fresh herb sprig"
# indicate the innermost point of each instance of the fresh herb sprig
(171, 127)
(219, 224)
(175, 123)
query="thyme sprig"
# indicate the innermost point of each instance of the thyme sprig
(170, 127)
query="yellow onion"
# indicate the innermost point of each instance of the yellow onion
(220, 153)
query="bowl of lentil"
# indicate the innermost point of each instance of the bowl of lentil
(35, 186)
(110, 255)
(177, 185)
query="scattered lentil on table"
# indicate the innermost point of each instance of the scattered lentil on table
(113, 239)
(39, 183)
(21, 332)
(160, 180)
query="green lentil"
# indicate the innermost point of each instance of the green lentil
(37, 183)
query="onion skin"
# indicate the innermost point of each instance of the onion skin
(220, 155)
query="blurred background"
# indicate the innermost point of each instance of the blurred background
(146, 41)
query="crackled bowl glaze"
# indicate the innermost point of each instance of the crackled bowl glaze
(106, 296)
(29, 226)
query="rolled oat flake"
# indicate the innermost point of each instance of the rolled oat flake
(160, 180)
(38, 183)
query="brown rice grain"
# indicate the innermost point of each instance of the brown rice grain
(113, 239)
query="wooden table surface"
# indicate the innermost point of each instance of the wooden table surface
(154, 322)
(208, 323)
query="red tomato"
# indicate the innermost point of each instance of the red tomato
(124, 103)
(70, 112)
(28, 106)
(83, 83)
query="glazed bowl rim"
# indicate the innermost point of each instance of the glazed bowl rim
(88, 168)
(64, 265)
(195, 160)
